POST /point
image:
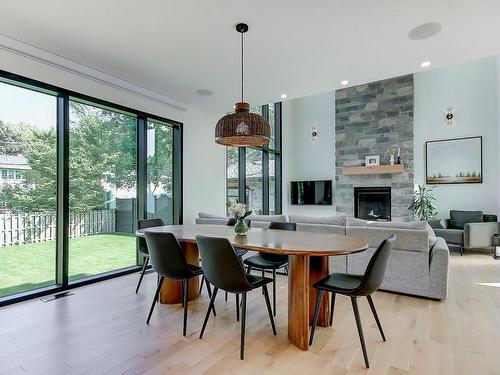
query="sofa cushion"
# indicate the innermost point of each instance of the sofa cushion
(211, 220)
(206, 215)
(458, 219)
(321, 228)
(432, 235)
(268, 218)
(331, 220)
(415, 225)
(409, 240)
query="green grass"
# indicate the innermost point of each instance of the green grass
(30, 266)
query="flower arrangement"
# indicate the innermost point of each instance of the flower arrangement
(238, 210)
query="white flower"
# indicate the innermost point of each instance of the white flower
(237, 209)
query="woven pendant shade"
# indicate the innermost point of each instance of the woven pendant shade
(242, 128)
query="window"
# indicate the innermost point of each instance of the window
(102, 190)
(160, 149)
(85, 171)
(27, 223)
(258, 170)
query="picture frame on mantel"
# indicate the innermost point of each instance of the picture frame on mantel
(454, 161)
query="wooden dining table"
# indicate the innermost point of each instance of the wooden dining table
(307, 252)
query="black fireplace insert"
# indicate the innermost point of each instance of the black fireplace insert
(372, 203)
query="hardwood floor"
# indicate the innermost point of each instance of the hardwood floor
(101, 330)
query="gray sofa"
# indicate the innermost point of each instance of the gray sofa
(467, 229)
(418, 264)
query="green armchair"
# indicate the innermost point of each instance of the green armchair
(467, 229)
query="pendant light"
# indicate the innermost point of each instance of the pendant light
(242, 128)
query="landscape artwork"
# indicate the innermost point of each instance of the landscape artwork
(454, 161)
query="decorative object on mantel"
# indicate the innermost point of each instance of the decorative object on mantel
(422, 206)
(398, 160)
(449, 115)
(372, 160)
(376, 169)
(242, 128)
(240, 212)
(454, 161)
(391, 162)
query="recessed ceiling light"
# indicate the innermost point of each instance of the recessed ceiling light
(284, 96)
(204, 92)
(425, 64)
(424, 31)
(345, 82)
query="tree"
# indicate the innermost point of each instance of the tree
(160, 167)
(11, 138)
(102, 154)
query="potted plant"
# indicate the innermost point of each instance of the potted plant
(240, 211)
(422, 206)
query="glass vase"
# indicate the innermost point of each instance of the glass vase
(241, 227)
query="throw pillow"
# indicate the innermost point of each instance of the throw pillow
(458, 219)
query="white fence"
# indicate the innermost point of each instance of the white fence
(31, 227)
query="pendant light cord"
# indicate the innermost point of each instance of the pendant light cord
(241, 67)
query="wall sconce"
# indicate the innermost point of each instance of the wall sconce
(314, 135)
(449, 115)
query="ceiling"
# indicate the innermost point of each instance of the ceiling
(295, 47)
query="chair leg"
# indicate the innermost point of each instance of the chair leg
(143, 270)
(237, 307)
(201, 284)
(263, 274)
(332, 307)
(209, 290)
(372, 306)
(461, 250)
(319, 298)
(155, 299)
(225, 296)
(185, 298)
(182, 293)
(286, 270)
(243, 318)
(212, 300)
(274, 292)
(268, 304)
(249, 269)
(354, 301)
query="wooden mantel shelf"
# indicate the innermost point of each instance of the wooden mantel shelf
(376, 169)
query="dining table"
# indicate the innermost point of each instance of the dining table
(308, 254)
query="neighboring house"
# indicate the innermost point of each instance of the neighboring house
(12, 169)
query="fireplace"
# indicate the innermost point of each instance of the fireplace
(372, 203)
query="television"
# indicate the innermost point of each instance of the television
(311, 192)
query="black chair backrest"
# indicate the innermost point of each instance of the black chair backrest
(143, 224)
(280, 226)
(221, 265)
(232, 222)
(375, 271)
(283, 226)
(166, 256)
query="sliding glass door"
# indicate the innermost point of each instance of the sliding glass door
(27, 189)
(102, 190)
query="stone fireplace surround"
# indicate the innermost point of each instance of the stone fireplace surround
(373, 119)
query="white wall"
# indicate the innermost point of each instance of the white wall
(303, 159)
(472, 89)
(204, 162)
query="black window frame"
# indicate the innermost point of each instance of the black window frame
(63, 97)
(266, 151)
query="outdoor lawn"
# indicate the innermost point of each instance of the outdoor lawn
(30, 266)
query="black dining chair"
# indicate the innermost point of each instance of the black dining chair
(356, 286)
(239, 252)
(168, 260)
(264, 261)
(224, 271)
(143, 248)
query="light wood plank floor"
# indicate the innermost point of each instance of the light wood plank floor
(101, 330)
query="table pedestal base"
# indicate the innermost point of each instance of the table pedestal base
(303, 271)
